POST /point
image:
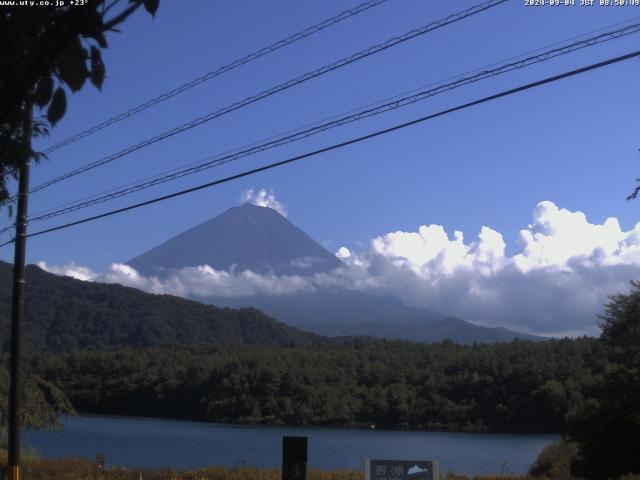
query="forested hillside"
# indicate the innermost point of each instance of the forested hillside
(520, 386)
(63, 314)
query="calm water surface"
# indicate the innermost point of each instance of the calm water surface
(154, 443)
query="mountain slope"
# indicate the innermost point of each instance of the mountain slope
(64, 314)
(350, 313)
(245, 237)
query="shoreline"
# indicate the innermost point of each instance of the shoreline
(150, 443)
(320, 427)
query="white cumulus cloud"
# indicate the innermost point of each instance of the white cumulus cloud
(263, 198)
(202, 281)
(70, 270)
(558, 237)
(555, 284)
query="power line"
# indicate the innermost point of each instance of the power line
(278, 88)
(5, 230)
(333, 117)
(219, 71)
(352, 141)
(336, 122)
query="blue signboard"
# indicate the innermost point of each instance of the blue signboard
(401, 470)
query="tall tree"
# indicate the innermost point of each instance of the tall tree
(44, 403)
(608, 432)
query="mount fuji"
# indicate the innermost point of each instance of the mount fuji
(259, 239)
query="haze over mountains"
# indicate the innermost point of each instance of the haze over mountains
(259, 239)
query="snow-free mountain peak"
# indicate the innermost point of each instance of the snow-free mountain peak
(247, 237)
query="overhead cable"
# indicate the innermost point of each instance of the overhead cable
(217, 72)
(336, 146)
(278, 88)
(359, 115)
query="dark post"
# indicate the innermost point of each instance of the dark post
(294, 458)
(100, 465)
(17, 306)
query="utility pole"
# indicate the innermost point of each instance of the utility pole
(17, 306)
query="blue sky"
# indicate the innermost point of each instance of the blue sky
(574, 143)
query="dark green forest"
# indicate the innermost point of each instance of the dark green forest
(63, 314)
(110, 350)
(519, 386)
(116, 350)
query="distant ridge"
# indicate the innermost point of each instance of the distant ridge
(350, 313)
(241, 238)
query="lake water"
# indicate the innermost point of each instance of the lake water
(154, 443)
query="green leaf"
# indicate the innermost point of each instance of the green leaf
(152, 6)
(72, 66)
(58, 106)
(97, 68)
(44, 89)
